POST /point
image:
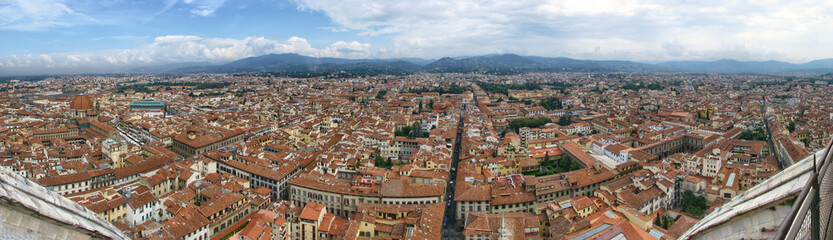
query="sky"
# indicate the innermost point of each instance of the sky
(78, 36)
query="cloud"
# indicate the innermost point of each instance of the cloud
(186, 48)
(34, 15)
(673, 48)
(204, 7)
(45, 58)
(353, 48)
(646, 30)
(43, 15)
(336, 29)
(643, 29)
(168, 5)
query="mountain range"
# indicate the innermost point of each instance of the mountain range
(500, 64)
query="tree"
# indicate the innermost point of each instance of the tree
(528, 122)
(404, 131)
(694, 205)
(504, 88)
(548, 166)
(550, 103)
(757, 135)
(565, 120)
(416, 130)
(664, 221)
(791, 126)
(453, 89)
(381, 162)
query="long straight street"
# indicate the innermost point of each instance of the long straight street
(450, 230)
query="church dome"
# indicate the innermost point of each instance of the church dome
(81, 102)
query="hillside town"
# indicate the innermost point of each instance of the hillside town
(575, 155)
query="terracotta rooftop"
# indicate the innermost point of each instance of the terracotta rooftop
(81, 102)
(312, 211)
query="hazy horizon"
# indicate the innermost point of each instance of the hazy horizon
(55, 36)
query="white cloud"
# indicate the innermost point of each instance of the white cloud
(650, 30)
(45, 58)
(33, 15)
(674, 48)
(42, 15)
(73, 58)
(641, 29)
(353, 49)
(186, 48)
(204, 7)
(336, 29)
(168, 5)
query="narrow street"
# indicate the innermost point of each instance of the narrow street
(450, 230)
(782, 164)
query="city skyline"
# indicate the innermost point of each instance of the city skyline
(306, 155)
(53, 36)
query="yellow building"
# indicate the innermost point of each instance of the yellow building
(501, 166)
(584, 206)
(310, 220)
(112, 210)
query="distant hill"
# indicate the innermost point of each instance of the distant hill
(505, 62)
(168, 67)
(495, 64)
(569, 64)
(511, 63)
(734, 66)
(290, 62)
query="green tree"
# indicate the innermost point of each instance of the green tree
(692, 204)
(404, 131)
(528, 122)
(664, 221)
(565, 120)
(548, 166)
(504, 88)
(757, 135)
(550, 103)
(791, 126)
(806, 142)
(381, 162)
(381, 94)
(416, 130)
